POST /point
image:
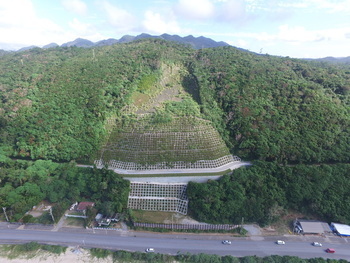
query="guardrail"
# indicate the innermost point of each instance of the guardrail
(107, 228)
(188, 226)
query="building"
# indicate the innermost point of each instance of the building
(310, 227)
(82, 206)
(341, 229)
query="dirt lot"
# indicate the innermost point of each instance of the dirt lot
(162, 217)
(39, 209)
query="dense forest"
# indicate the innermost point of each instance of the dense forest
(263, 193)
(276, 108)
(24, 184)
(290, 115)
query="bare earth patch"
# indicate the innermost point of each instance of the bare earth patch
(162, 217)
(39, 209)
(282, 226)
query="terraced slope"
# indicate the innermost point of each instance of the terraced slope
(166, 130)
(185, 142)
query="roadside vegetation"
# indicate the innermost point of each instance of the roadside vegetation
(32, 249)
(25, 184)
(263, 193)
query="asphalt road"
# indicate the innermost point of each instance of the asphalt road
(172, 244)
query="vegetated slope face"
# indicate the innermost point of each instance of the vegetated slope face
(179, 139)
(276, 108)
(163, 129)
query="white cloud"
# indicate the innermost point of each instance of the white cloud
(328, 6)
(80, 27)
(16, 12)
(302, 35)
(75, 6)
(240, 43)
(118, 17)
(297, 34)
(84, 30)
(157, 24)
(195, 9)
(232, 11)
(21, 25)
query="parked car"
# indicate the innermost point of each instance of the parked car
(149, 250)
(317, 244)
(280, 242)
(330, 250)
(226, 242)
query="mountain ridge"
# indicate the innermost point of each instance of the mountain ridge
(194, 42)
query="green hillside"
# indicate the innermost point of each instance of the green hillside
(56, 103)
(76, 104)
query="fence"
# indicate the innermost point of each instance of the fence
(168, 197)
(75, 216)
(188, 226)
(200, 164)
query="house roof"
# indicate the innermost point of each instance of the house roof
(343, 230)
(314, 227)
(84, 205)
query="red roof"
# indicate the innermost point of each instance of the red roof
(83, 205)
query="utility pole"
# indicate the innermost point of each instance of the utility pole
(172, 222)
(4, 208)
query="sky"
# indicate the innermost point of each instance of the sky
(294, 28)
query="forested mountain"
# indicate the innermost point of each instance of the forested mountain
(335, 60)
(58, 104)
(55, 102)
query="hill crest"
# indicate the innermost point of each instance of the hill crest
(194, 42)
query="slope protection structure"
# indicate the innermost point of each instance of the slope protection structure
(186, 143)
(151, 143)
(182, 143)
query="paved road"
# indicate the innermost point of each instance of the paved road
(200, 178)
(230, 166)
(172, 244)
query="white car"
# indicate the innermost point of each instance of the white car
(317, 244)
(149, 250)
(226, 242)
(280, 242)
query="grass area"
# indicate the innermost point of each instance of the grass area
(140, 98)
(155, 217)
(75, 222)
(179, 174)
